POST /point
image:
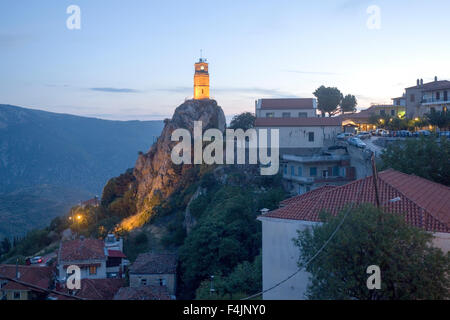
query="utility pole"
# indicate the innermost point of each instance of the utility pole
(375, 179)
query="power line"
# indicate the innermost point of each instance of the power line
(316, 254)
(39, 288)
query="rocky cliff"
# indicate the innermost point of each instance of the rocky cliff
(156, 177)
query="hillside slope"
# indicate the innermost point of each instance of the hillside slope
(72, 156)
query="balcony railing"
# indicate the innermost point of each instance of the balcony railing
(434, 101)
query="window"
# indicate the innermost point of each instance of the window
(270, 115)
(16, 295)
(313, 171)
(445, 95)
(412, 98)
(392, 112)
(285, 169)
(300, 173)
(143, 282)
(92, 270)
(438, 96)
(303, 115)
(286, 115)
(336, 171)
(311, 136)
(162, 282)
(292, 171)
(382, 112)
(325, 173)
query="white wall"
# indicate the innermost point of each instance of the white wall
(298, 137)
(280, 257)
(278, 113)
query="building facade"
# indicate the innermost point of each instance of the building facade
(425, 97)
(305, 173)
(155, 269)
(423, 204)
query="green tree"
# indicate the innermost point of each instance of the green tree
(5, 246)
(348, 103)
(245, 121)
(440, 119)
(425, 157)
(410, 267)
(328, 100)
(245, 280)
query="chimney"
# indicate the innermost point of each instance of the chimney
(421, 82)
(264, 211)
(435, 79)
(418, 82)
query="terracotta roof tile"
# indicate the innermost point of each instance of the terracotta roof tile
(96, 289)
(82, 249)
(143, 293)
(425, 204)
(296, 103)
(155, 263)
(35, 275)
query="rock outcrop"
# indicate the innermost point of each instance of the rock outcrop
(156, 175)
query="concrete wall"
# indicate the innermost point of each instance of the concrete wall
(280, 257)
(101, 270)
(298, 137)
(154, 280)
(278, 113)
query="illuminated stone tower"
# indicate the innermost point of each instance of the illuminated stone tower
(201, 80)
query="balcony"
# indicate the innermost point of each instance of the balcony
(316, 158)
(433, 101)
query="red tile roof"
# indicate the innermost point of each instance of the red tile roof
(424, 204)
(296, 103)
(298, 122)
(78, 250)
(305, 195)
(116, 254)
(35, 275)
(143, 293)
(155, 263)
(95, 289)
(434, 85)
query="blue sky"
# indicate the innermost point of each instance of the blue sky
(134, 59)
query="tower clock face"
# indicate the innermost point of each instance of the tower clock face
(202, 67)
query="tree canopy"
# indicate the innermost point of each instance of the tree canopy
(245, 121)
(328, 100)
(348, 103)
(425, 157)
(410, 267)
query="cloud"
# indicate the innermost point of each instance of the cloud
(115, 90)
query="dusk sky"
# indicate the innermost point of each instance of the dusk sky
(135, 59)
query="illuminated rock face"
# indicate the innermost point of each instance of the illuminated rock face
(156, 176)
(201, 80)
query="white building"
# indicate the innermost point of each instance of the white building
(298, 123)
(424, 203)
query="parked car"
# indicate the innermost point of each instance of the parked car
(344, 135)
(422, 133)
(356, 142)
(405, 133)
(444, 134)
(34, 260)
(381, 133)
(363, 135)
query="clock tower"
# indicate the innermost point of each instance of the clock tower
(201, 80)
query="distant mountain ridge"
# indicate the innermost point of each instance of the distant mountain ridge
(63, 152)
